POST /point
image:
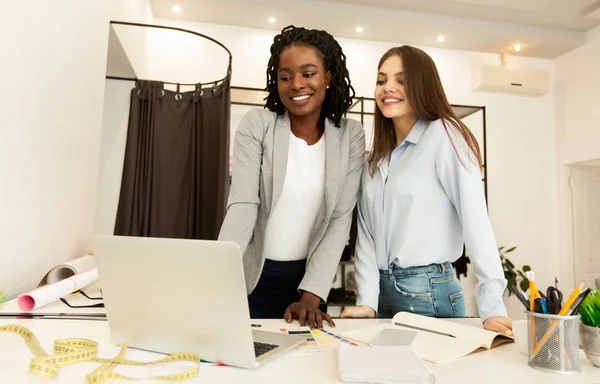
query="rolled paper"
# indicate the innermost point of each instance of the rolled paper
(46, 294)
(68, 269)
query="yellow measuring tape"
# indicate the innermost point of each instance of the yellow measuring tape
(69, 351)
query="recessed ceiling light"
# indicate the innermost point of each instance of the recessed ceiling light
(441, 38)
(176, 8)
(359, 29)
(272, 19)
(517, 47)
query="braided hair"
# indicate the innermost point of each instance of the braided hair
(340, 93)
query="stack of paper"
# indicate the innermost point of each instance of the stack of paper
(382, 365)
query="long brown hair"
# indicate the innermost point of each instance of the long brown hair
(425, 94)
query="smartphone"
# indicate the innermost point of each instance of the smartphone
(394, 337)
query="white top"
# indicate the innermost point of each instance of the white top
(420, 209)
(291, 223)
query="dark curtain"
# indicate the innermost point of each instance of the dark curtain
(176, 169)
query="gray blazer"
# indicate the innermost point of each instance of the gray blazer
(259, 166)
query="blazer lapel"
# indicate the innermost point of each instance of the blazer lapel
(280, 154)
(332, 165)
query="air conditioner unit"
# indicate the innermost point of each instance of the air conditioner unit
(495, 78)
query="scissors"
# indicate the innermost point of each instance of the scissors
(554, 298)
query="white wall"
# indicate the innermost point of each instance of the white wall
(51, 97)
(112, 154)
(577, 114)
(520, 130)
(135, 40)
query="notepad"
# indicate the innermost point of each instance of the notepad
(382, 365)
(438, 341)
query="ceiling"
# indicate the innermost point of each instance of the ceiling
(563, 14)
(543, 28)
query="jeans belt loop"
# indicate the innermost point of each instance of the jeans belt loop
(443, 268)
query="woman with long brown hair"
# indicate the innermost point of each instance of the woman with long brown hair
(421, 199)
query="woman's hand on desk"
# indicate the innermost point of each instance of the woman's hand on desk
(500, 324)
(361, 311)
(307, 312)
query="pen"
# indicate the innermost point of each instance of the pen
(256, 325)
(514, 290)
(524, 296)
(426, 330)
(544, 307)
(533, 292)
(579, 301)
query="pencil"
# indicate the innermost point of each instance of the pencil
(571, 300)
(532, 292)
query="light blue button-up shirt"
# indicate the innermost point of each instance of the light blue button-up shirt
(421, 208)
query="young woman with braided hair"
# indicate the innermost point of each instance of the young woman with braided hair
(296, 171)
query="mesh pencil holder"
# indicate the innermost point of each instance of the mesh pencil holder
(553, 342)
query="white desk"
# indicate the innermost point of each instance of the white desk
(58, 307)
(503, 365)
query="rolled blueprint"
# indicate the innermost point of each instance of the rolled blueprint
(45, 294)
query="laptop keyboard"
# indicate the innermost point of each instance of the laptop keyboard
(262, 348)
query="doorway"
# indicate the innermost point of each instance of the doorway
(585, 208)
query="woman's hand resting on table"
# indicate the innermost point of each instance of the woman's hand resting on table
(500, 324)
(307, 311)
(362, 311)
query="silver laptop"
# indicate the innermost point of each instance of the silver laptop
(175, 295)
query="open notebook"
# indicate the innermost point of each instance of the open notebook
(438, 341)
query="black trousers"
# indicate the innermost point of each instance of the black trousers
(277, 288)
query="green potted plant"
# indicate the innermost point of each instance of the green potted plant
(514, 276)
(590, 327)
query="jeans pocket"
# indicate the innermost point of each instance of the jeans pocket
(414, 286)
(448, 296)
(411, 293)
(458, 304)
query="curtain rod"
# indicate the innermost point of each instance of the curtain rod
(183, 84)
(179, 30)
(174, 29)
(164, 82)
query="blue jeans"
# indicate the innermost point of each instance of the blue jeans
(431, 290)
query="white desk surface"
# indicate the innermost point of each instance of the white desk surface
(58, 307)
(502, 365)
